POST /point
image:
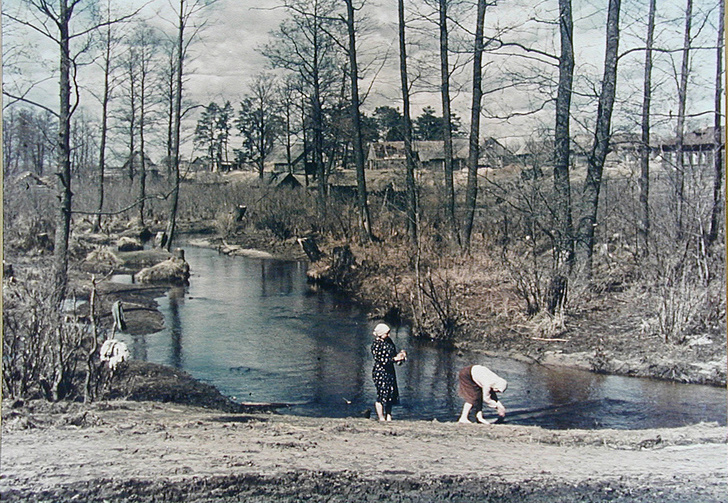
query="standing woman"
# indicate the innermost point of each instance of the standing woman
(385, 379)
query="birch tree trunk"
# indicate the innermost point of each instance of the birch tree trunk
(564, 232)
(63, 172)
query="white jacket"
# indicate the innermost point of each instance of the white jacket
(488, 380)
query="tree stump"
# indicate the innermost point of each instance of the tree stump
(240, 211)
(311, 249)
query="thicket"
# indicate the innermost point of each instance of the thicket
(442, 291)
(50, 352)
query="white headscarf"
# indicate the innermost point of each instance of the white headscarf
(381, 330)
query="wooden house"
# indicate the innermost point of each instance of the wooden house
(698, 148)
(430, 155)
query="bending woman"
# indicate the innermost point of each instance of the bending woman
(479, 385)
(383, 374)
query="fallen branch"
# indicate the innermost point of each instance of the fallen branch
(545, 339)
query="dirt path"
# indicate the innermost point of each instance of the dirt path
(143, 451)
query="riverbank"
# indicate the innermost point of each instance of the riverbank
(611, 335)
(167, 437)
(143, 451)
(610, 339)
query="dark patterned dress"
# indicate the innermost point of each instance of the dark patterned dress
(383, 374)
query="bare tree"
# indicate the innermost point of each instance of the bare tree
(644, 180)
(287, 93)
(109, 41)
(471, 191)
(412, 210)
(600, 146)
(145, 41)
(682, 96)
(167, 85)
(447, 120)
(562, 140)
(129, 112)
(185, 11)
(259, 121)
(364, 219)
(715, 223)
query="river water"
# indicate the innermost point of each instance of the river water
(258, 332)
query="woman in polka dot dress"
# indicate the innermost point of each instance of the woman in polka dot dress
(385, 379)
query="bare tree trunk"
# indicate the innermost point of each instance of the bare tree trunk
(105, 98)
(644, 180)
(718, 202)
(169, 103)
(364, 219)
(132, 112)
(598, 154)
(562, 142)
(143, 167)
(177, 119)
(63, 217)
(682, 94)
(412, 210)
(471, 191)
(447, 123)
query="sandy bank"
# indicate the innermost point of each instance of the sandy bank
(143, 451)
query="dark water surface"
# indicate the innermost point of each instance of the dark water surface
(258, 332)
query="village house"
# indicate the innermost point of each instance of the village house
(278, 162)
(431, 154)
(698, 148)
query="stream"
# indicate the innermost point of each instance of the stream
(256, 330)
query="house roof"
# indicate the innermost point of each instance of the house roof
(137, 156)
(705, 136)
(283, 180)
(431, 150)
(279, 155)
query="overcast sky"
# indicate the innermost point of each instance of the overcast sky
(226, 53)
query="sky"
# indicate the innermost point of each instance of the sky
(226, 55)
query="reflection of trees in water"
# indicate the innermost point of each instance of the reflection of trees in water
(567, 386)
(341, 368)
(431, 378)
(276, 278)
(139, 347)
(176, 297)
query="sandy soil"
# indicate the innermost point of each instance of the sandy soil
(146, 451)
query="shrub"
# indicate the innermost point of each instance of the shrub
(42, 345)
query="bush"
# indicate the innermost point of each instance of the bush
(49, 352)
(42, 346)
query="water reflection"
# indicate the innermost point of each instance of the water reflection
(259, 333)
(176, 297)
